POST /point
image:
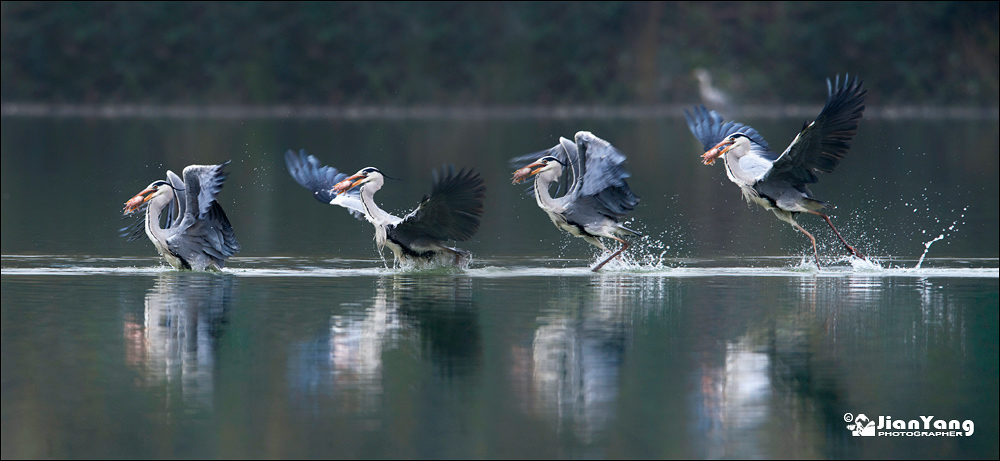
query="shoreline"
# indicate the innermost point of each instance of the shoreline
(439, 112)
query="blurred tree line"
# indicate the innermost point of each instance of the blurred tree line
(462, 53)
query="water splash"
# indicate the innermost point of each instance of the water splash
(646, 253)
(927, 247)
(869, 264)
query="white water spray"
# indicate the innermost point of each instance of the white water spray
(927, 247)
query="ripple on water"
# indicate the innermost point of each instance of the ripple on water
(517, 267)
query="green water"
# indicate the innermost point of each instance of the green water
(716, 338)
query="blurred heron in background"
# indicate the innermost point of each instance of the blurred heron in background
(597, 195)
(197, 234)
(778, 182)
(451, 212)
(711, 96)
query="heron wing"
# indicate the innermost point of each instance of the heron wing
(320, 179)
(202, 183)
(136, 229)
(603, 178)
(175, 211)
(710, 128)
(212, 235)
(823, 143)
(451, 212)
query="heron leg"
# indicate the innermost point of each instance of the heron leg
(620, 250)
(853, 251)
(811, 239)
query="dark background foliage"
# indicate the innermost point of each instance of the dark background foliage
(493, 52)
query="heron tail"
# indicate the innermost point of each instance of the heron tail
(814, 205)
(624, 230)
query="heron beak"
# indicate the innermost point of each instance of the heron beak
(719, 150)
(349, 183)
(133, 203)
(526, 172)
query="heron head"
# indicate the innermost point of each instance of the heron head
(362, 177)
(542, 165)
(156, 188)
(734, 141)
(703, 76)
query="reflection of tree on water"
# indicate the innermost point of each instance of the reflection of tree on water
(430, 316)
(575, 357)
(175, 341)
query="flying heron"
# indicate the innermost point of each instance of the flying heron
(778, 182)
(197, 234)
(450, 212)
(596, 196)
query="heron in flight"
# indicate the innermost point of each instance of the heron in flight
(450, 212)
(597, 195)
(778, 182)
(197, 234)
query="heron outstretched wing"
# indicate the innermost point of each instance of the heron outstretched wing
(205, 226)
(320, 179)
(450, 212)
(202, 183)
(603, 176)
(823, 143)
(710, 128)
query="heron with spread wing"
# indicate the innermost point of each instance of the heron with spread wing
(450, 212)
(596, 196)
(197, 234)
(778, 182)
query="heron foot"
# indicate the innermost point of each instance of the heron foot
(613, 256)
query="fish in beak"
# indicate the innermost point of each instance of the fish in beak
(135, 202)
(349, 183)
(527, 172)
(719, 150)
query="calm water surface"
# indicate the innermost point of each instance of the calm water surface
(716, 338)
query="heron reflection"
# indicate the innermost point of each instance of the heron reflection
(174, 343)
(570, 371)
(428, 318)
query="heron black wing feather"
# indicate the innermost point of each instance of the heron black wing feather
(320, 179)
(450, 212)
(136, 229)
(821, 145)
(710, 128)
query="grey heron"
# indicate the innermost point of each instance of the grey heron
(596, 196)
(450, 212)
(197, 234)
(710, 95)
(778, 182)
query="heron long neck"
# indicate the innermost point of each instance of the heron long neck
(375, 215)
(542, 195)
(733, 169)
(153, 230)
